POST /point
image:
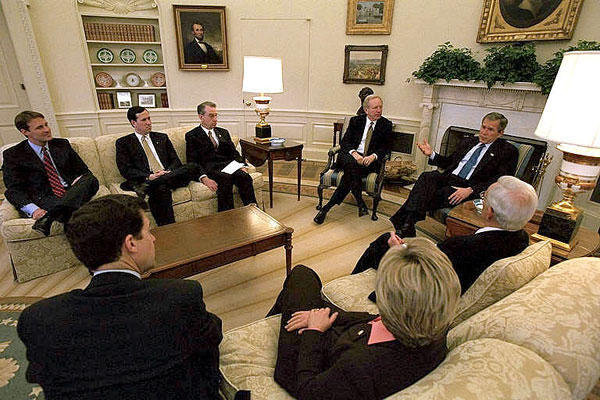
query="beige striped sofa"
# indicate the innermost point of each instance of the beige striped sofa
(33, 255)
(541, 341)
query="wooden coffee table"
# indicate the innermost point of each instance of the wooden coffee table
(464, 220)
(191, 247)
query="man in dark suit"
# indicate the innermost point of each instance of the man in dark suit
(121, 337)
(508, 205)
(475, 165)
(363, 148)
(151, 166)
(44, 177)
(352, 355)
(211, 148)
(198, 51)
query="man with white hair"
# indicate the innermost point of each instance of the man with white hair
(508, 205)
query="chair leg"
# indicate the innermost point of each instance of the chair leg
(320, 192)
(375, 204)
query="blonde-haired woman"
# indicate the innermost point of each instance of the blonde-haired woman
(327, 353)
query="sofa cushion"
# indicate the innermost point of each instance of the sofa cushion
(177, 137)
(502, 278)
(86, 148)
(489, 369)
(17, 229)
(247, 360)
(351, 292)
(108, 157)
(557, 315)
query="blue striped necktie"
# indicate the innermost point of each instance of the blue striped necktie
(464, 172)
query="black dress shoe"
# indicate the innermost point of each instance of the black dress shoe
(320, 217)
(140, 190)
(43, 225)
(362, 210)
(407, 230)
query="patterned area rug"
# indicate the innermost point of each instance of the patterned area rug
(13, 362)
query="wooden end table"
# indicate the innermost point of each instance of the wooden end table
(257, 154)
(190, 247)
(464, 220)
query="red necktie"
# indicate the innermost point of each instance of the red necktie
(57, 187)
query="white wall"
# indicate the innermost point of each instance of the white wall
(315, 95)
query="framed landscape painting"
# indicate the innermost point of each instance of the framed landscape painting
(201, 37)
(526, 20)
(365, 64)
(369, 17)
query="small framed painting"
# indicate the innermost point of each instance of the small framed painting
(369, 17)
(365, 64)
(146, 100)
(124, 99)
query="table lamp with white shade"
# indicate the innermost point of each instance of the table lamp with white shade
(262, 75)
(571, 118)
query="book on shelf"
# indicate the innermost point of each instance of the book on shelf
(164, 100)
(105, 101)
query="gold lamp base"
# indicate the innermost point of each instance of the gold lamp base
(262, 129)
(578, 173)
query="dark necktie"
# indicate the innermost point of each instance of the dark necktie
(212, 139)
(57, 187)
(368, 139)
(471, 162)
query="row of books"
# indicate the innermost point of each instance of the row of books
(119, 32)
(106, 101)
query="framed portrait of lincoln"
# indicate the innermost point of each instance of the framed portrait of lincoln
(201, 37)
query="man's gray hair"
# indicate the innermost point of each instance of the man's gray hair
(203, 105)
(369, 98)
(417, 292)
(513, 201)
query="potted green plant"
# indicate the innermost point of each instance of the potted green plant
(510, 63)
(448, 62)
(544, 78)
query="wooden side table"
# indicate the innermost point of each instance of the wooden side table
(464, 220)
(257, 154)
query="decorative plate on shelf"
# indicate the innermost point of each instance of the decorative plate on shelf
(104, 80)
(127, 56)
(105, 55)
(132, 79)
(150, 56)
(158, 79)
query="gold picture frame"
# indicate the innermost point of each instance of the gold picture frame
(365, 64)
(208, 25)
(526, 20)
(369, 17)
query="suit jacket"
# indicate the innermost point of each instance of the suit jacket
(200, 150)
(472, 254)
(380, 141)
(500, 159)
(193, 54)
(124, 338)
(25, 176)
(132, 161)
(340, 365)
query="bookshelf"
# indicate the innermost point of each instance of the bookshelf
(119, 46)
